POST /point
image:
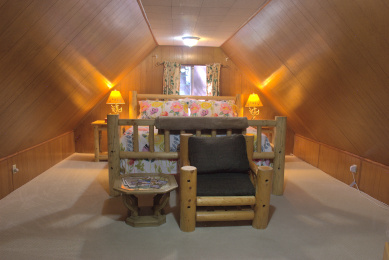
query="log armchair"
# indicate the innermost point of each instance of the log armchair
(218, 172)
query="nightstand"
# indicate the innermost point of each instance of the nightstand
(98, 127)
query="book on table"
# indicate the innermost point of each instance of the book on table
(147, 182)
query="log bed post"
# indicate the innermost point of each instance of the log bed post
(238, 102)
(132, 97)
(259, 139)
(113, 151)
(279, 156)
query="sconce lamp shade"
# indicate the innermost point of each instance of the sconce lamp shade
(253, 101)
(190, 40)
(115, 98)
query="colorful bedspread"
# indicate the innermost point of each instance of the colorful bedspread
(166, 166)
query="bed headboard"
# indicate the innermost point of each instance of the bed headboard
(134, 97)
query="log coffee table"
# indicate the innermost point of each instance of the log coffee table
(160, 200)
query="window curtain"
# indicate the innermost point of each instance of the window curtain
(213, 79)
(171, 78)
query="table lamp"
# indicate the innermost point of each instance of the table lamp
(115, 99)
(253, 103)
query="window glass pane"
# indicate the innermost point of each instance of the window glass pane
(193, 80)
(199, 81)
(185, 80)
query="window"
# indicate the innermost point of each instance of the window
(193, 80)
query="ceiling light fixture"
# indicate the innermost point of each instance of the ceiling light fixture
(190, 40)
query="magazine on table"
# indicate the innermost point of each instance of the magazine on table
(147, 182)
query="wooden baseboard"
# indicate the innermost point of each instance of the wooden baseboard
(33, 161)
(371, 177)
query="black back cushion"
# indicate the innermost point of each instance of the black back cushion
(224, 154)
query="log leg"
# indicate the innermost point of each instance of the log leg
(262, 197)
(188, 189)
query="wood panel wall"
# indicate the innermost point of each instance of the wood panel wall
(324, 65)
(306, 150)
(371, 177)
(56, 60)
(147, 78)
(33, 161)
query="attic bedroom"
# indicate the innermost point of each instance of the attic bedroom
(321, 65)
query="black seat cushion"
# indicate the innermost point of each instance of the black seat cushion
(218, 154)
(225, 184)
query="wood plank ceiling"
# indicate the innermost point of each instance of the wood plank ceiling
(214, 21)
(324, 64)
(57, 58)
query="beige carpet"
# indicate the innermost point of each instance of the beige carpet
(66, 213)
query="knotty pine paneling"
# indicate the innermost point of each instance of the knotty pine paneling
(337, 163)
(374, 180)
(371, 177)
(147, 78)
(6, 186)
(306, 150)
(56, 59)
(34, 161)
(324, 65)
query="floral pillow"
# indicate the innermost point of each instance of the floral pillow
(175, 108)
(152, 109)
(213, 108)
(224, 108)
(201, 108)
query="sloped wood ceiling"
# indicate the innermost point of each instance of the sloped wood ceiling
(57, 58)
(325, 65)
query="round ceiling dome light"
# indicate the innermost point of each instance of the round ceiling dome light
(190, 40)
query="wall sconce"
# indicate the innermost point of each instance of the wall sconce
(253, 102)
(190, 40)
(115, 99)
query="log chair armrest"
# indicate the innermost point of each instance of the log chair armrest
(253, 173)
(253, 167)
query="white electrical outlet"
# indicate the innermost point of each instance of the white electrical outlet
(353, 168)
(14, 169)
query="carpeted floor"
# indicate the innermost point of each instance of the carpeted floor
(66, 213)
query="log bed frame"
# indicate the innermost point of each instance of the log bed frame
(276, 130)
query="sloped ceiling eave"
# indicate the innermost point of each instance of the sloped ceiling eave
(57, 59)
(323, 64)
